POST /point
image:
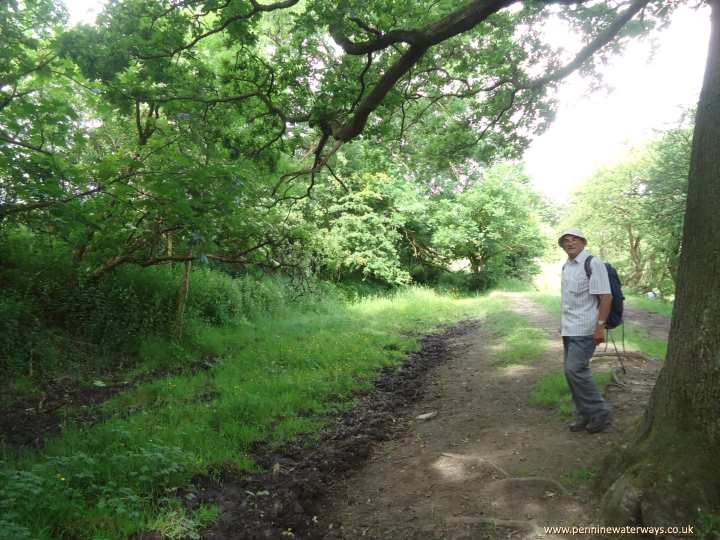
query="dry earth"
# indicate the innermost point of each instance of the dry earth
(489, 464)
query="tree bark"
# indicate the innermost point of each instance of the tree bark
(636, 257)
(672, 470)
(182, 298)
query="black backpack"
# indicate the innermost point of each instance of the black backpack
(615, 317)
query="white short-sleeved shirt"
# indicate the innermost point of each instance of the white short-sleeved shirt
(579, 300)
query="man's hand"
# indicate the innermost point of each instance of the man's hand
(599, 335)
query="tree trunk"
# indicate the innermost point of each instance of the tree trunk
(671, 471)
(182, 299)
(474, 264)
(636, 257)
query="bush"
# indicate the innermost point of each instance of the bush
(50, 316)
(466, 281)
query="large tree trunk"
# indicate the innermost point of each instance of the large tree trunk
(672, 468)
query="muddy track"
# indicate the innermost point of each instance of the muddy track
(486, 464)
(31, 422)
(290, 501)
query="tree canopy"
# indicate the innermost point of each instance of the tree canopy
(634, 210)
(171, 131)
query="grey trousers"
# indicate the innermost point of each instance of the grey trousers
(588, 400)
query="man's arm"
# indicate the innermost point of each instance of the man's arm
(603, 312)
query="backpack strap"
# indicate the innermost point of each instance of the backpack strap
(588, 271)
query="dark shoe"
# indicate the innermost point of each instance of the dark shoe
(598, 423)
(579, 424)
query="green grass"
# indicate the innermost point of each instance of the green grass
(581, 474)
(522, 345)
(550, 303)
(552, 391)
(519, 343)
(662, 307)
(708, 525)
(514, 285)
(277, 379)
(636, 337)
(175, 523)
(272, 380)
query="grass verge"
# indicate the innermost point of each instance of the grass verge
(636, 337)
(552, 391)
(519, 342)
(277, 378)
(661, 307)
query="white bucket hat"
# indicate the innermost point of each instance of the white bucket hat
(574, 232)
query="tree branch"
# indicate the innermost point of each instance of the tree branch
(28, 146)
(257, 8)
(602, 39)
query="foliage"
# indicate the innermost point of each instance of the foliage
(208, 133)
(187, 132)
(47, 315)
(633, 211)
(388, 226)
(494, 225)
(74, 493)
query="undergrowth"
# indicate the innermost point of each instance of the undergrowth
(278, 377)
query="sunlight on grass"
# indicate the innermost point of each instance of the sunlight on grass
(270, 381)
(636, 337)
(519, 343)
(275, 379)
(548, 280)
(522, 345)
(661, 307)
(552, 391)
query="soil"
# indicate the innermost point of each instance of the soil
(290, 500)
(484, 463)
(657, 325)
(30, 422)
(447, 447)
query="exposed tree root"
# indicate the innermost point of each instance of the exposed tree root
(659, 485)
(499, 470)
(532, 529)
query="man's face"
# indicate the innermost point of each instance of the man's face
(572, 245)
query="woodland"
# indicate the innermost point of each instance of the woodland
(188, 181)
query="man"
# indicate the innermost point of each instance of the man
(585, 307)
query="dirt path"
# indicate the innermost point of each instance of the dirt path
(489, 464)
(657, 325)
